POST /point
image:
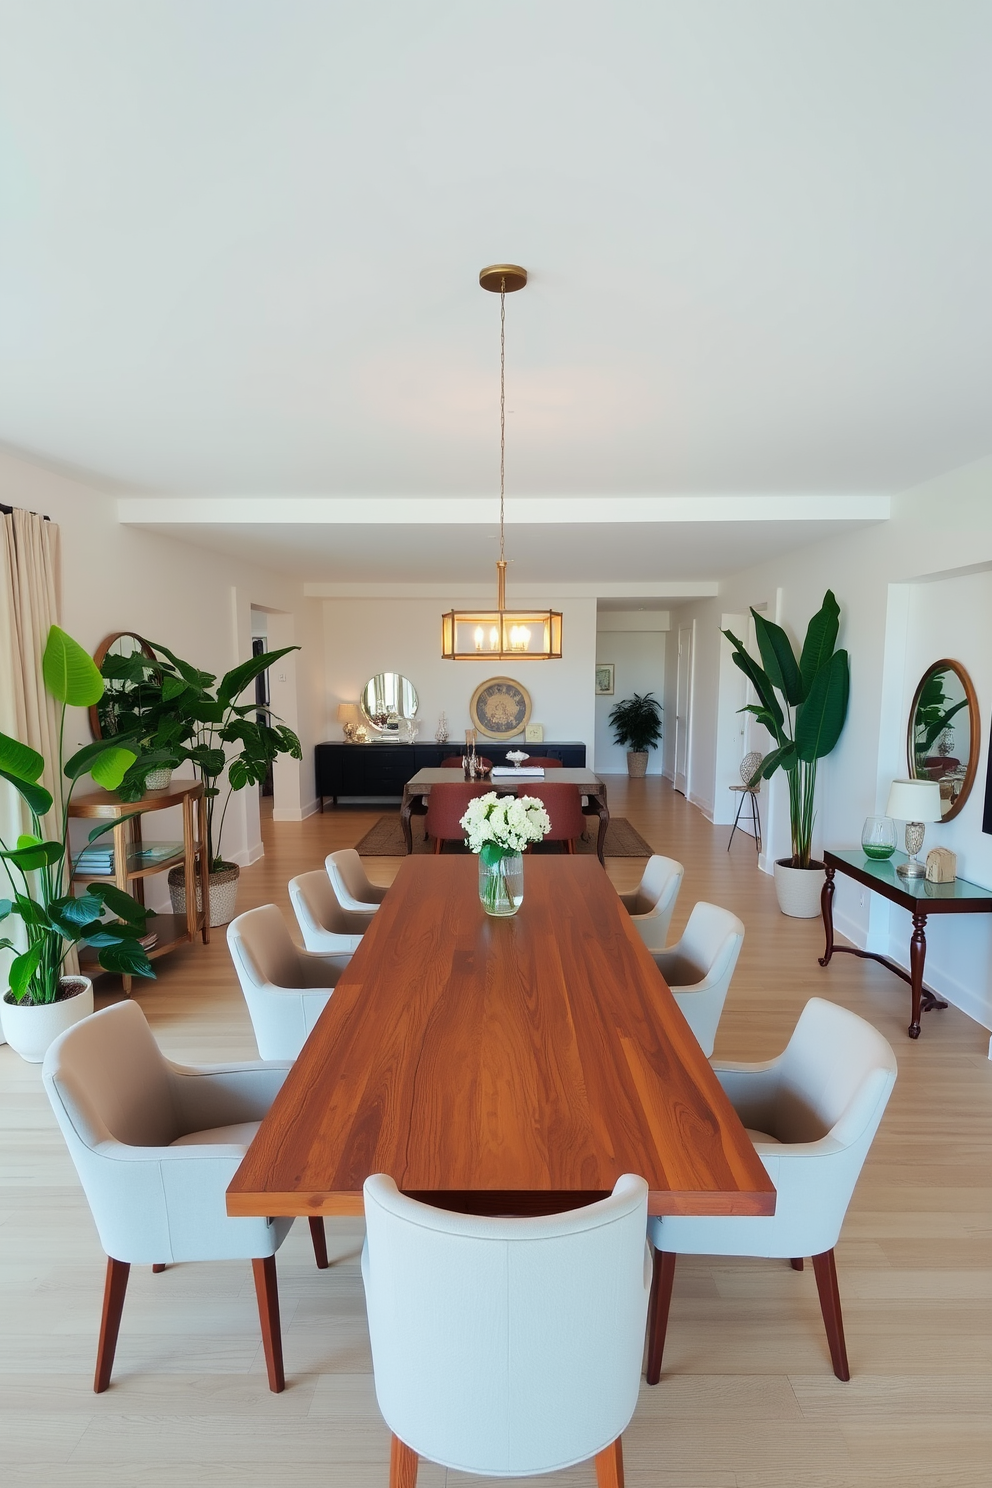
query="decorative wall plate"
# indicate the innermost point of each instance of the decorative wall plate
(500, 708)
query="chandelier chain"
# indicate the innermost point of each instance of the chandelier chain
(502, 409)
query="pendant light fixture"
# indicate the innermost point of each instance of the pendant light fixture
(501, 634)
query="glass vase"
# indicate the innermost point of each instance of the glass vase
(878, 837)
(501, 884)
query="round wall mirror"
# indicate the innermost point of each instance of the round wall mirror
(389, 701)
(122, 685)
(945, 733)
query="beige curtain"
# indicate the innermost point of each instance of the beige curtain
(30, 589)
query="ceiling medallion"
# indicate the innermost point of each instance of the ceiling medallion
(501, 634)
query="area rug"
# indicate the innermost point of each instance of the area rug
(385, 840)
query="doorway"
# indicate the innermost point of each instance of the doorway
(683, 709)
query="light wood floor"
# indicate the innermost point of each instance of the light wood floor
(747, 1399)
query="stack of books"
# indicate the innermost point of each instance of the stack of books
(96, 860)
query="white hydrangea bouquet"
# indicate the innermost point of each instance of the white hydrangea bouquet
(498, 828)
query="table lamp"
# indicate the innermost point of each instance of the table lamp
(348, 718)
(914, 802)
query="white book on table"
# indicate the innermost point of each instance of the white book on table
(536, 772)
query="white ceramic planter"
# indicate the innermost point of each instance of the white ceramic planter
(29, 1030)
(798, 889)
(158, 779)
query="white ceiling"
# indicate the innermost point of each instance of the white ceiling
(240, 239)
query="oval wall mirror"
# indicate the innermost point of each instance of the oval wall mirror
(945, 734)
(388, 701)
(120, 691)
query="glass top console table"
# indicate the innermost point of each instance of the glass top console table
(917, 895)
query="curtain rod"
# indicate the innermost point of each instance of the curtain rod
(8, 511)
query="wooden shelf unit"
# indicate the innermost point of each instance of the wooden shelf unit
(172, 930)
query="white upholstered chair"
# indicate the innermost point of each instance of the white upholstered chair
(286, 989)
(352, 885)
(155, 1145)
(652, 903)
(326, 927)
(506, 1347)
(699, 966)
(812, 1114)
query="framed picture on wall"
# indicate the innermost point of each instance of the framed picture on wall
(604, 678)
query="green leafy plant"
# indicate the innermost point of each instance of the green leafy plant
(932, 718)
(180, 715)
(803, 705)
(39, 870)
(636, 722)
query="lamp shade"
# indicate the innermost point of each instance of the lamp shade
(348, 713)
(914, 800)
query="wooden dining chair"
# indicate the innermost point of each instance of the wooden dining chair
(563, 803)
(812, 1114)
(155, 1145)
(446, 805)
(506, 1347)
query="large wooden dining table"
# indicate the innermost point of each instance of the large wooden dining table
(515, 1065)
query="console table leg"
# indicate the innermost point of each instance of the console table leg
(405, 810)
(827, 911)
(917, 958)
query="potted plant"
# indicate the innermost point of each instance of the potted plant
(803, 705)
(636, 722)
(188, 718)
(41, 1000)
(134, 709)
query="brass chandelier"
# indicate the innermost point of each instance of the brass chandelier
(501, 634)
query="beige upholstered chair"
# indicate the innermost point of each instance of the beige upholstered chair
(354, 889)
(506, 1347)
(286, 989)
(652, 903)
(326, 927)
(155, 1145)
(698, 968)
(812, 1114)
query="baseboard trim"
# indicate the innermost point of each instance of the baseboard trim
(296, 813)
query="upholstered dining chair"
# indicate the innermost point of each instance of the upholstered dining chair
(446, 805)
(563, 803)
(537, 762)
(652, 904)
(286, 989)
(699, 966)
(326, 927)
(354, 889)
(155, 1145)
(457, 762)
(506, 1347)
(812, 1114)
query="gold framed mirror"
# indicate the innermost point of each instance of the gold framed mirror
(944, 734)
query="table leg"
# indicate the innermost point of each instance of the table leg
(827, 911)
(604, 821)
(917, 958)
(405, 810)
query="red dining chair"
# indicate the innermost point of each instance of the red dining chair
(446, 805)
(563, 803)
(537, 761)
(457, 762)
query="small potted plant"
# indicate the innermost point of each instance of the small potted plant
(41, 1000)
(192, 719)
(803, 705)
(636, 722)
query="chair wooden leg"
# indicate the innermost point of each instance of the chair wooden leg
(319, 1240)
(660, 1302)
(267, 1293)
(438, 843)
(570, 846)
(609, 1466)
(825, 1271)
(797, 1263)
(113, 1305)
(403, 1464)
(157, 1268)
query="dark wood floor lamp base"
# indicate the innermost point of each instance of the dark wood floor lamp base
(825, 1271)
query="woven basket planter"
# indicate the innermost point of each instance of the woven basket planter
(637, 764)
(222, 890)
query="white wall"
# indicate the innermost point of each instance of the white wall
(941, 533)
(639, 657)
(366, 636)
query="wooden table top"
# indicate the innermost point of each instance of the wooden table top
(588, 780)
(516, 1065)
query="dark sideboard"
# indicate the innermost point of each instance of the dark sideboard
(384, 769)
